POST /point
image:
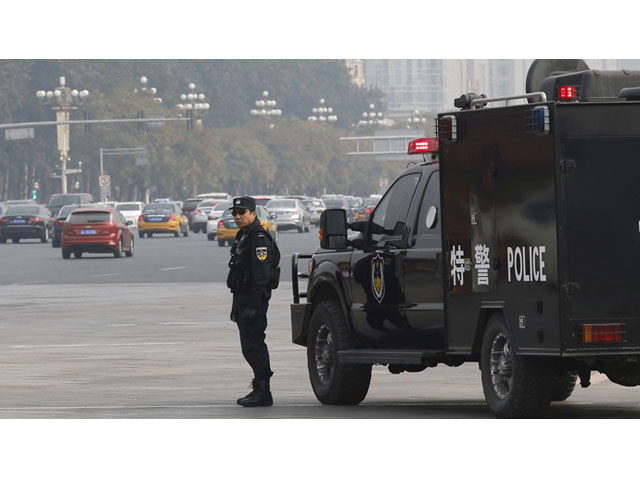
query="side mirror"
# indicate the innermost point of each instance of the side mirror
(273, 216)
(333, 228)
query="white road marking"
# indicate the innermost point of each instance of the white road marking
(122, 325)
(106, 275)
(76, 345)
(171, 268)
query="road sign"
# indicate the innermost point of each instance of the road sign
(384, 182)
(104, 180)
(105, 192)
(18, 133)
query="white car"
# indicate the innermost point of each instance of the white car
(130, 211)
(214, 215)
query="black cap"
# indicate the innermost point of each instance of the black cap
(244, 202)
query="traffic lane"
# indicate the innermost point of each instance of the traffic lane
(170, 351)
(161, 259)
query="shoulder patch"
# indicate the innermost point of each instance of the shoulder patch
(261, 253)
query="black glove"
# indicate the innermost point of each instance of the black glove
(232, 316)
(249, 313)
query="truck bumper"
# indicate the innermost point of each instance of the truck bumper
(300, 316)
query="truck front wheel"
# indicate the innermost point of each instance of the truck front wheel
(514, 386)
(333, 383)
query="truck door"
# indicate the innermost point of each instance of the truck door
(603, 228)
(423, 271)
(377, 273)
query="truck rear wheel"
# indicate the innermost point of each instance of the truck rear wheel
(514, 386)
(333, 383)
(563, 385)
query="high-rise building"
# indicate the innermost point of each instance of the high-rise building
(433, 85)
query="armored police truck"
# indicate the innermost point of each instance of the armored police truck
(516, 244)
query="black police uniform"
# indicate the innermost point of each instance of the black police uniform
(252, 255)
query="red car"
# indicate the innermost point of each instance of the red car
(96, 230)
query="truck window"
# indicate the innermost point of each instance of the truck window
(390, 216)
(430, 199)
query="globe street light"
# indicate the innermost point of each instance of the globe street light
(416, 120)
(371, 117)
(148, 92)
(194, 105)
(64, 100)
(322, 114)
(266, 109)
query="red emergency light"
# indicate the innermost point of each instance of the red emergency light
(423, 146)
(567, 92)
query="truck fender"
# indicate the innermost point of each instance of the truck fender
(326, 283)
(487, 311)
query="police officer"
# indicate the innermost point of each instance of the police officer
(252, 255)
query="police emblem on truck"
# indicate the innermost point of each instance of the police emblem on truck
(377, 277)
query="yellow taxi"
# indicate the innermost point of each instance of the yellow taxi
(227, 228)
(162, 218)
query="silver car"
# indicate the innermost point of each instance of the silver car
(289, 213)
(200, 215)
(314, 207)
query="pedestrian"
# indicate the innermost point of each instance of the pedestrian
(252, 268)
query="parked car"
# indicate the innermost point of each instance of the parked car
(130, 211)
(212, 219)
(200, 215)
(25, 221)
(96, 230)
(227, 228)
(314, 208)
(289, 213)
(56, 223)
(162, 218)
(59, 200)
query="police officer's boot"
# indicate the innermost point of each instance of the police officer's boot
(253, 392)
(262, 396)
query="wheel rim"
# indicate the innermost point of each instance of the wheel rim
(501, 366)
(324, 350)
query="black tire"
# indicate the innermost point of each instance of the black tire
(196, 230)
(186, 232)
(3, 240)
(176, 234)
(563, 384)
(211, 236)
(149, 234)
(301, 229)
(117, 252)
(333, 383)
(129, 253)
(45, 236)
(15, 240)
(55, 243)
(66, 253)
(514, 386)
(77, 254)
(221, 243)
(141, 234)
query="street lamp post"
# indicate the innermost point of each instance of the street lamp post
(64, 100)
(149, 92)
(416, 120)
(322, 113)
(194, 105)
(371, 117)
(266, 109)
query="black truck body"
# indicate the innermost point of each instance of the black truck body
(518, 246)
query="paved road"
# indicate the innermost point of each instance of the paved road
(149, 337)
